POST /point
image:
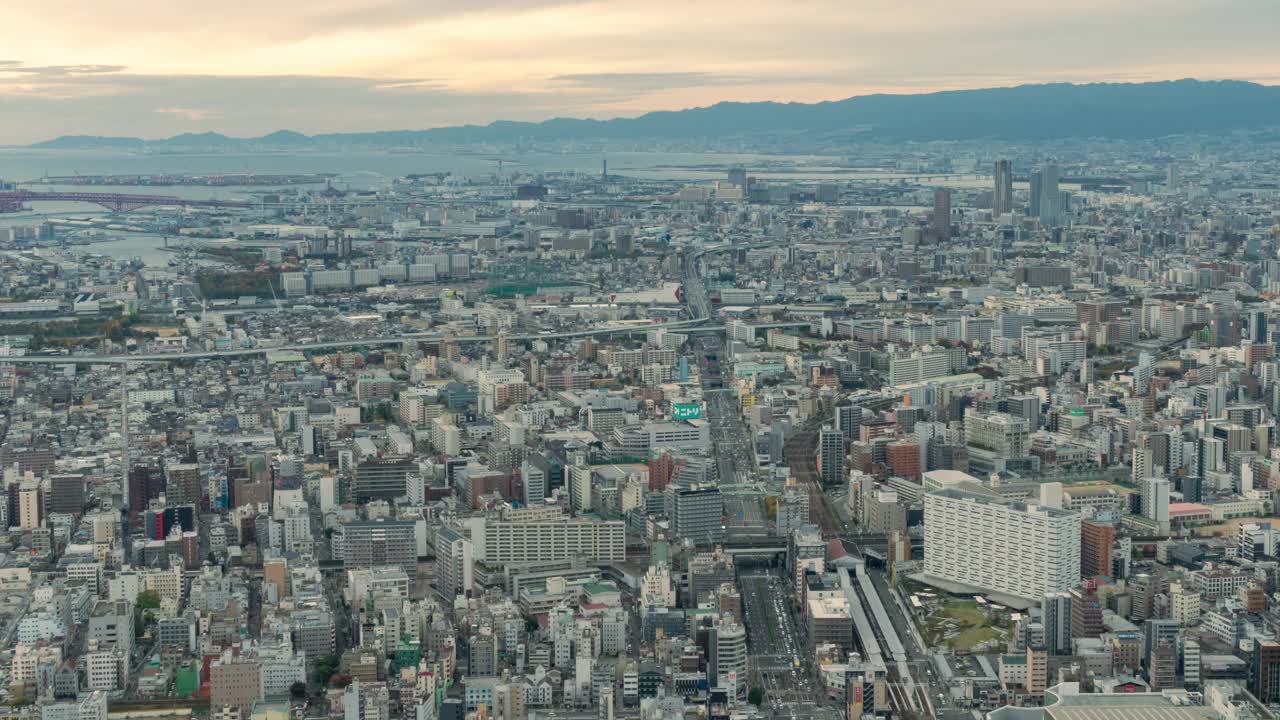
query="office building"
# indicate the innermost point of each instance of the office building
(696, 514)
(1002, 193)
(940, 221)
(380, 478)
(728, 656)
(1048, 203)
(379, 543)
(1038, 276)
(994, 439)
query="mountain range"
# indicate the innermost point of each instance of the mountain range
(1025, 112)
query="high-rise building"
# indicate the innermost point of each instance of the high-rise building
(848, 418)
(1155, 500)
(381, 478)
(993, 439)
(30, 505)
(1096, 539)
(910, 368)
(1002, 194)
(1048, 203)
(830, 456)
(1040, 275)
(380, 543)
(146, 483)
(696, 514)
(1037, 670)
(455, 562)
(904, 459)
(235, 682)
(997, 545)
(505, 542)
(1055, 610)
(1162, 666)
(66, 494)
(535, 474)
(728, 656)
(183, 485)
(940, 222)
(1161, 652)
(1264, 670)
(1142, 466)
(1086, 612)
(1191, 661)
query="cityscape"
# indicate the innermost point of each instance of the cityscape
(954, 404)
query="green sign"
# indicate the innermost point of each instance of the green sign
(686, 411)
(1077, 411)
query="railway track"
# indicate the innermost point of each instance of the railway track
(799, 450)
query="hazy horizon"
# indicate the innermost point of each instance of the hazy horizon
(139, 68)
(482, 123)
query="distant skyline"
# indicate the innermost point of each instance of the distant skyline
(154, 69)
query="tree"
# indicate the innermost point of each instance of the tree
(756, 696)
(325, 668)
(298, 691)
(148, 600)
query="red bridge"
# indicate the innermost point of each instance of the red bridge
(14, 200)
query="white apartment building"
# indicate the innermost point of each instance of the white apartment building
(905, 369)
(499, 542)
(995, 545)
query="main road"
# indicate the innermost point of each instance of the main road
(690, 325)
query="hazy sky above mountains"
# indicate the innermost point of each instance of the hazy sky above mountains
(154, 68)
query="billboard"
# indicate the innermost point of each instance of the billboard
(686, 411)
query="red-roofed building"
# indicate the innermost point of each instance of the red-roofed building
(1184, 514)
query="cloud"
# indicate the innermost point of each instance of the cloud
(13, 66)
(192, 114)
(250, 67)
(649, 80)
(412, 86)
(160, 106)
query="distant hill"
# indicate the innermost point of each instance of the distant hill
(1026, 112)
(89, 142)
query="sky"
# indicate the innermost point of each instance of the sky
(155, 68)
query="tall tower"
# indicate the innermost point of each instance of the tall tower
(940, 225)
(1002, 196)
(1049, 203)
